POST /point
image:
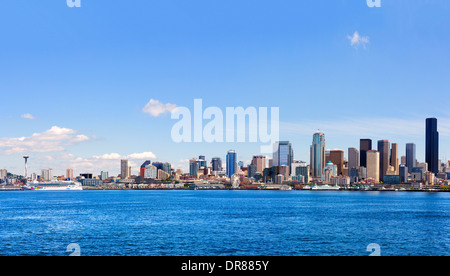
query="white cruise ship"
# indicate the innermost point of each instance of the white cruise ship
(53, 186)
(325, 188)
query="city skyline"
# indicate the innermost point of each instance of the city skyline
(387, 155)
(104, 91)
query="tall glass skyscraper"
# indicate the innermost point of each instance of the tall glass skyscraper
(410, 156)
(364, 146)
(283, 154)
(231, 163)
(432, 145)
(318, 155)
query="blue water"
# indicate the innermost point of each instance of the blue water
(215, 223)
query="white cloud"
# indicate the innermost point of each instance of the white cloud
(357, 40)
(156, 108)
(28, 116)
(53, 140)
(143, 155)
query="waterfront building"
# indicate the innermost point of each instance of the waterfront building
(167, 167)
(432, 145)
(69, 174)
(142, 169)
(384, 150)
(283, 155)
(162, 175)
(410, 156)
(260, 162)
(373, 165)
(317, 155)
(364, 146)
(303, 170)
(47, 174)
(193, 167)
(417, 174)
(124, 169)
(391, 179)
(403, 173)
(330, 170)
(151, 172)
(231, 163)
(105, 175)
(3, 174)
(353, 158)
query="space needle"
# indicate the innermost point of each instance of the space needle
(26, 165)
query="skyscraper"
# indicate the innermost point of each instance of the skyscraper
(318, 155)
(283, 154)
(384, 150)
(394, 158)
(216, 164)
(260, 162)
(193, 167)
(353, 158)
(364, 146)
(373, 164)
(124, 169)
(410, 156)
(432, 145)
(231, 163)
(337, 158)
(69, 174)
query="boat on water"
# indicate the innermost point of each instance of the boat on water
(325, 188)
(53, 186)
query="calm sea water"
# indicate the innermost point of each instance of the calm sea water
(214, 223)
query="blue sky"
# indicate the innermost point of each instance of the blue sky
(86, 74)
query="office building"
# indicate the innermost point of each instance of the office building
(411, 156)
(364, 146)
(69, 174)
(231, 163)
(329, 171)
(105, 175)
(193, 167)
(47, 174)
(337, 158)
(3, 174)
(394, 158)
(373, 165)
(124, 169)
(251, 171)
(353, 158)
(216, 164)
(317, 155)
(260, 162)
(432, 145)
(303, 170)
(403, 173)
(151, 172)
(384, 150)
(142, 169)
(283, 154)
